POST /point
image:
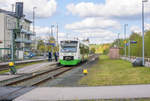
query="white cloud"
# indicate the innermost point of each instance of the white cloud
(41, 30)
(93, 23)
(111, 8)
(44, 33)
(97, 36)
(147, 26)
(137, 29)
(95, 28)
(45, 8)
(100, 40)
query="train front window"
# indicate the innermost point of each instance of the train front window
(68, 49)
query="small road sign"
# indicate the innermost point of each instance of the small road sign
(133, 42)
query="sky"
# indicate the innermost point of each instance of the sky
(98, 20)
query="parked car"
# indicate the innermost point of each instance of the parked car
(137, 62)
(29, 55)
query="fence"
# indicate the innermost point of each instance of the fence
(5, 54)
(132, 58)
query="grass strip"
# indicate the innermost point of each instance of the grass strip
(115, 72)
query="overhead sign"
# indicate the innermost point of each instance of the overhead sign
(133, 42)
(127, 44)
(52, 41)
(52, 44)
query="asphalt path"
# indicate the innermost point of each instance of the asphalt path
(83, 93)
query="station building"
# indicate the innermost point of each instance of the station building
(23, 40)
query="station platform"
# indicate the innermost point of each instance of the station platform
(28, 69)
(23, 61)
(35, 67)
(86, 93)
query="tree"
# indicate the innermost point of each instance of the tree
(93, 50)
(41, 46)
(147, 44)
(136, 49)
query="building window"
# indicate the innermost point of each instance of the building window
(11, 24)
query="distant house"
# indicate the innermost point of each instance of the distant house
(23, 40)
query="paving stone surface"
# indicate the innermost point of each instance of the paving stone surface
(81, 93)
(28, 69)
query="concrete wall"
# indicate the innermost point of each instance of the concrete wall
(2, 51)
(2, 30)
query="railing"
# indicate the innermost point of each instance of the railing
(26, 32)
(132, 58)
(23, 40)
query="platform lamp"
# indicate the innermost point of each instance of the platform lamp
(125, 41)
(33, 22)
(143, 1)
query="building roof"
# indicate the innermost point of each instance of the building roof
(12, 14)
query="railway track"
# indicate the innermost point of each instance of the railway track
(22, 86)
(38, 78)
(46, 76)
(5, 67)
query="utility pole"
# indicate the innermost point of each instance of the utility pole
(12, 39)
(33, 22)
(118, 40)
(19, 14)
(12, 45)
(12, 7)
(57, 34)
(125, 41)
(129, 48)
(52, 30)
(143, 1)
(52, 36)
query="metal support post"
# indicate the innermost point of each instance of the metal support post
(12, 45)
(57, 35)
(125, 53)
(129, 49)
(118, 40)
(143, 32)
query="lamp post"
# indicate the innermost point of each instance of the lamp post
(129, 46)
(125, 53)
(57, 34)
(52, 35)
(143, 1)
(52, 30)
(118, 40)
(34, 25)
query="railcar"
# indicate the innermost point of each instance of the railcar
(72, 52)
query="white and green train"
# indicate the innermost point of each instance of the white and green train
(72, 52)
